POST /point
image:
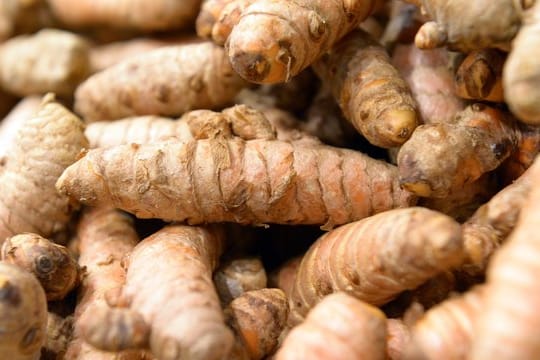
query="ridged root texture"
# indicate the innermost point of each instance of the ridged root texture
(377, 258)
(248, 182)
(275, 40)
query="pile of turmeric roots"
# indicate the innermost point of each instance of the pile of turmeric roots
(269, 179)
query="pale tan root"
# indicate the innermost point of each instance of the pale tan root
(203, 79)
(339, 327)
(46, 144)
(139, 15)
(109, 54)
(464, 25)
(521, 71)
(48, 61)
(10, 125)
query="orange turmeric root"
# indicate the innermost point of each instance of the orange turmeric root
(258, 318)
(203, 79)
(52, 264)
(140, 14)
(491, 224)
(339, 327)
(286, 37)
(447, 330)
(479, 76)
(506, 327)
(477, 141)
(369, 90)
(377, 258)
(169, 284)
(105, 237)
(248, 182)
(46, 144)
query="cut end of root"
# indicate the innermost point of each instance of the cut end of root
(251, 66)
(419, 188)
(399, 125)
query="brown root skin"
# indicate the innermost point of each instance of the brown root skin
(137, 15)
(52, 264)
(283, 183)
(377, 258)
(513, 270)
(47, 143)
(204, 80)
(466, 26)
(239, 120)
(23, 314)
(59, 62)
(169, 282)
(527, 149)
(286, 37)
(521, 71)
(237, 276)
(478, 140)
(462, 203)
(59, 334)
(105, 237)
(370, 91)
(446, 331)
(339, 327)
(479, 77)
(258, 317)
(430, 80)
